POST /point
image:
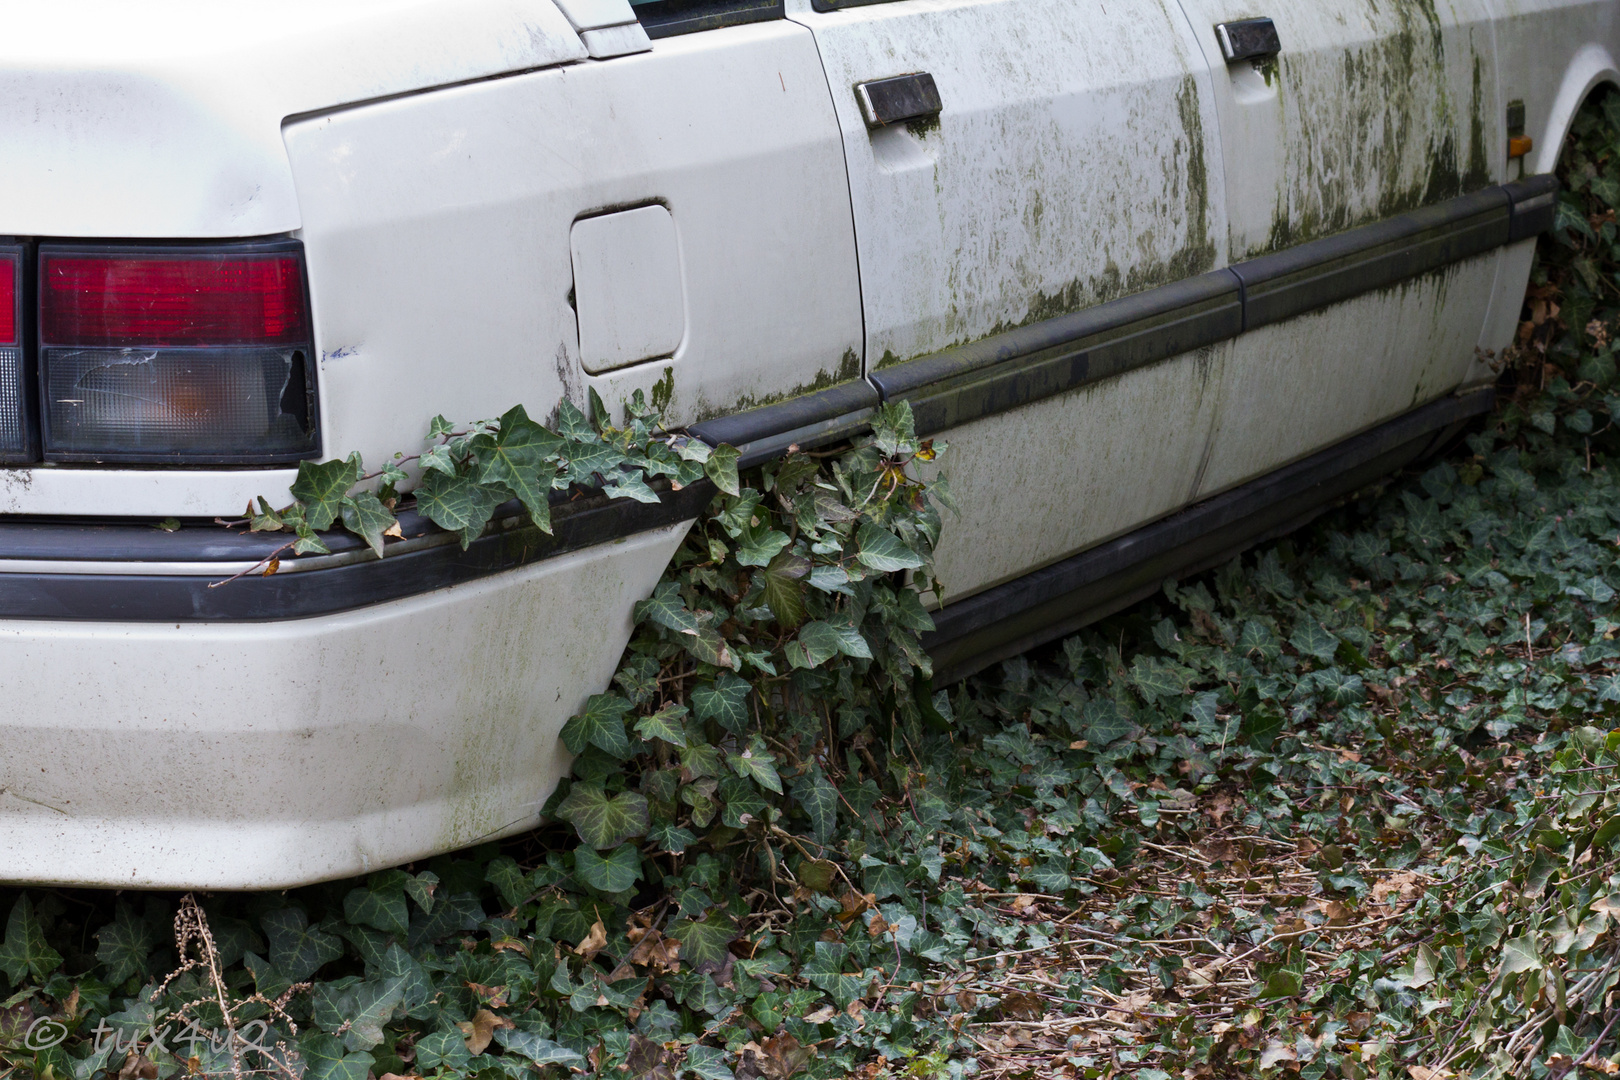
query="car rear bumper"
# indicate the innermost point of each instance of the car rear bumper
(173, 748)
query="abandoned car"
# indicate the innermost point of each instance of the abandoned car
(1187, 270)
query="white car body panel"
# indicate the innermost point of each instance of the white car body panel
(437, 231)
(251, 755)
(163, 118)
(1049, 184)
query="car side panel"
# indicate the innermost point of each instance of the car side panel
(1367, 112)
(437, 229)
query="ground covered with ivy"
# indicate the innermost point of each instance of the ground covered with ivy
(1345, 807)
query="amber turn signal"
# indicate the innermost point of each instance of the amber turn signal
(1519, 146)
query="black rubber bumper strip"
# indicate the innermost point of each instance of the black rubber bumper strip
(807, 421)
(1322, 272)
(1534, 202)
(1055, 601)
(303, 593)
(1042, 360)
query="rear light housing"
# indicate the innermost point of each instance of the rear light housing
(16, 436)
(175, 354)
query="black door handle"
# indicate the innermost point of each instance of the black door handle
(1248, 39)
(903, 97)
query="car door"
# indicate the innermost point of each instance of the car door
(1014, 164)
(1353, 115)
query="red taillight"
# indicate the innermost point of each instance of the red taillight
(16, 437)
(8, 300)
(185, 355)
(173, 300)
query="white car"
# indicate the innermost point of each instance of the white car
(1169, 276)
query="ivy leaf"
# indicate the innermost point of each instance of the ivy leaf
(722, 469)
(884, 879)
(541, 1051)
(325, 1058)
(322, 487)
(123, 945)
(366, 517)
(381, 909)
(601, 821)
(24, 951)
(1158, 678)
(457, 503)
(881, 550)
(666, 608)
(671, 837)
(664, 724)
(818, 798)
(783, 581)
(510, 882)
(442, 1050)
(724, 701)
(421, 889)
(416, 990)
(759, 764)
(615, 872)
(741, 800)
(759, 545)
(521, 456)
(629, 485)
(705, 941)
(1313, 639)
(601, 725)
(438, 460)
(817, 643)
(297, 950)
(1519, 954)
(707, 1063)
(264, 519)
(706, 644)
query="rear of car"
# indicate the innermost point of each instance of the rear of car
(1166, 281)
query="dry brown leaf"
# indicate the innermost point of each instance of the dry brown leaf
(481, 1029)
(510, 943)
(399, 1076)
(594, 941)
(494, 996)
(655, 950)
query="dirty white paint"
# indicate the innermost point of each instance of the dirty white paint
(628, 291)
(1295, 387)
(1064, 474)
(437, 231)
(163, 118)
(259, 756)
(1551, 54)
(69, 490)
(1371, 108)
(1074, 161)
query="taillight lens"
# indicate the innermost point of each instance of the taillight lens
(176, 354)
(13, 408)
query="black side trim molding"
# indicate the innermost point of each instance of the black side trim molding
(1534, 202)
(1016, 367)
(292, 595)
(1059, 599)
(808, 421)
(1322, 272)
(1044, 359)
